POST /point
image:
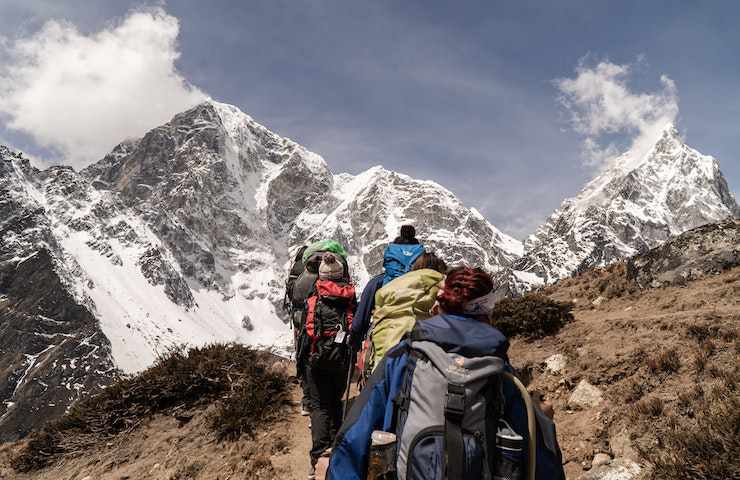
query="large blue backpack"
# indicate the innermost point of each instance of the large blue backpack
(398, 259)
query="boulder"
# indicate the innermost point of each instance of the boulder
(618, 469)
(556, 363)
(600, 459)
(585, 395)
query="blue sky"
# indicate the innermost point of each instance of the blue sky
(463, 93)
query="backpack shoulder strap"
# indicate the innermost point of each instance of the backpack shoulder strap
(454, 442)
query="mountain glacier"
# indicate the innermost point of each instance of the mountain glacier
(183, 237)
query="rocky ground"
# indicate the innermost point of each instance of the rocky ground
(622, 375)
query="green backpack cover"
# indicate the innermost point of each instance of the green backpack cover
(398, 305)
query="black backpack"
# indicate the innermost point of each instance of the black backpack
(295, 272)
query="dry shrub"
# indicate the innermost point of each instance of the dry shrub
(703, 333)
(252, 402)
(612, 281)
(179, 379)
(705, 444)
(667, 361)
(531, 316)
(652, 407)
(686, 399)
(700, 361)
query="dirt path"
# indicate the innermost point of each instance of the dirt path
(294, 459)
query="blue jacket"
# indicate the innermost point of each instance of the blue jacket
(361, 322)
(373, 410)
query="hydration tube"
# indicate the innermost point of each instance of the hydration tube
(531, 425)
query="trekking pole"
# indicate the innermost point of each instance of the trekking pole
(349, 382)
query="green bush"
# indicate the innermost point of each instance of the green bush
(531, 316)
(180, 379)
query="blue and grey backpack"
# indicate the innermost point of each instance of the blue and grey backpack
(398, 259)
(449, 419)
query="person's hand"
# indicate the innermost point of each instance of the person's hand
(321, 467)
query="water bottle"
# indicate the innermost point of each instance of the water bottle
(509, 453)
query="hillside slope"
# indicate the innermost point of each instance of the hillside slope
(659, 358)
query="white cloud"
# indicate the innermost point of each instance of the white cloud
(82, 94)
(600, 103)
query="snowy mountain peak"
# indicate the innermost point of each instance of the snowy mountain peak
(631, 207)
(367, 210)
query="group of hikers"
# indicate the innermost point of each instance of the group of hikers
(438, 396)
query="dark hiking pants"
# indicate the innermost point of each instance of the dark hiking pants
(325, 388)
(302, 347)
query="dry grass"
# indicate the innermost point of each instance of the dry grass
(177, 381)
(652, 407)
(667, 361)
(702, 441)
(188, 472)
(608, 282)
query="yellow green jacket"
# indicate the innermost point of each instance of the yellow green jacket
(398, 305)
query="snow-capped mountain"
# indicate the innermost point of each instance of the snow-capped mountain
(631, 207)
(184, 237)
(366, 211)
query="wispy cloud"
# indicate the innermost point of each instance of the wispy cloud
(600, 103)
(82, 94)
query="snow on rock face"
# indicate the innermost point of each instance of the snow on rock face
(625, 211)
(184, 236)
(52, 348)
(365, 212)
(218, 202)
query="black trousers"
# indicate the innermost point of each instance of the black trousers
(326, 384)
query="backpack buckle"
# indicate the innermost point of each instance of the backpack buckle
(455, 405)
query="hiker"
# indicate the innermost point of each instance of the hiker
(329, 311)
(397, 260)
(447, 394)
(301, 281)
(402, 302)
